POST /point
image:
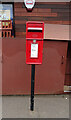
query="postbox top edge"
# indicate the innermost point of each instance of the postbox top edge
(34, 22)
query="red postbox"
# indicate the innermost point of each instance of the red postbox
(34, 42)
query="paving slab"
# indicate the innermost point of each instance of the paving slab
(46, 106)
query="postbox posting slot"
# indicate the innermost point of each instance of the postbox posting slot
(34, 33)
(34, 29)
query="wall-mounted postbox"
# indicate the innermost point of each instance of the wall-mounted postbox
(34, 42)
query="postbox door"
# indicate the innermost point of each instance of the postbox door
(34, 52)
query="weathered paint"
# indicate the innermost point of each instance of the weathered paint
(49, 77)
(0, 66)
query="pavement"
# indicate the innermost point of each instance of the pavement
(46, 106)
(0, 107)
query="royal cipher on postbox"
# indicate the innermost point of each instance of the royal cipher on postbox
(34, 42)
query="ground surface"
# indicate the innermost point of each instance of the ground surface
(46, 106)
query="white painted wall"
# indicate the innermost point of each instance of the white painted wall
(57, 32)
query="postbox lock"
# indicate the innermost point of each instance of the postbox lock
(34, 41)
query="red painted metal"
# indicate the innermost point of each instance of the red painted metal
(30, 60)
(34, 31)
(50, 76)
(16, 75)
(0, 66)
(34, 35)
